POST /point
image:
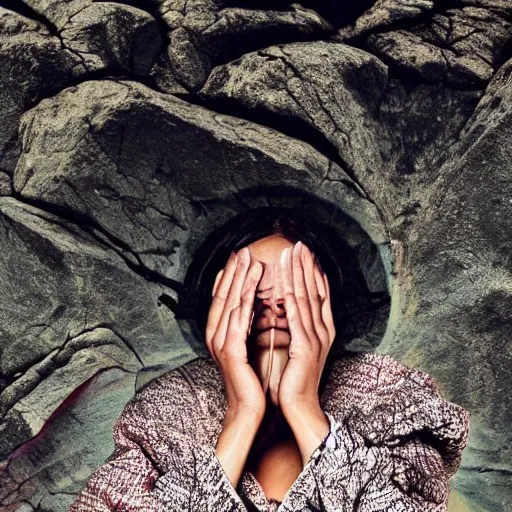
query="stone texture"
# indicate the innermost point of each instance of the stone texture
(387, 119)
(462, 47)
(153, 160)
(416, 141)
(205, 33)
(384, 13)
(33, 65)
(5, 184)
(114, 37)
(79, 310)
(315, 88)
(49, 470)
(56, 12)
(453, 298)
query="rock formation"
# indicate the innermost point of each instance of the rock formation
(131, 130)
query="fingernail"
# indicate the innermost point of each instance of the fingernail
(284, 256)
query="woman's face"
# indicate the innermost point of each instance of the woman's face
(269, 339)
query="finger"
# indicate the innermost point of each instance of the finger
(315, 298)
(322, 323)
(233, 299)
(301, 292)
(220, 293)
(239, 318)
(292, 313)
(323, 285)
(248, 295)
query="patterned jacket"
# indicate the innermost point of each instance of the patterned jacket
(397, 443)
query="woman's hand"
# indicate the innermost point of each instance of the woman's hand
(308, 311)
(228, 325)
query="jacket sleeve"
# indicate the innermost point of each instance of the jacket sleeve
(392, 461)
(122, 484)
(197, 481)
(161, 462)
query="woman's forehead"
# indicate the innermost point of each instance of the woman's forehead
(268, 249)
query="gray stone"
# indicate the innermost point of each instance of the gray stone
(204, 34)
(79, 310)
(316, 88)
(416, 140)
(140, 164)
(384, 13)
(33, 65)
(451, 310)
(114, 37)
(57, 12)
(51, 469)
(5, 184)
(462, 47)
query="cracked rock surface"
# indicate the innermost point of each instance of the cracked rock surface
(130, 130)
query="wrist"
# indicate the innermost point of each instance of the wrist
(309, 425)
(244, 415)
(235, 441)
(303, 408)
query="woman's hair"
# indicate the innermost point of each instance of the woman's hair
(348, 291)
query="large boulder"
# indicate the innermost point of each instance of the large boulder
(147, 125)
(72, 310)
(323, 92)
(33, 65)
(452, 303)
(143, 167)
(203, 34)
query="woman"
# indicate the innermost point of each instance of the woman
(271, 421)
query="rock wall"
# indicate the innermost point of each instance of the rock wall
(130, 130)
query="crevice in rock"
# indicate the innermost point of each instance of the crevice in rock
(128, 344)
(121, 248)
(339, 13)
(258, 5)
(481, 469)
(142, 6)
(87, 75)
(21, 8)
(397, 71)
(56, 361)
(295, 128)
(148, 7)
(255, 44)
(408, 23)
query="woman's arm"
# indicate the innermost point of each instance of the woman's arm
(213, 472)
(235, 441)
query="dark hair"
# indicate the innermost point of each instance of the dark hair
(348, 291)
